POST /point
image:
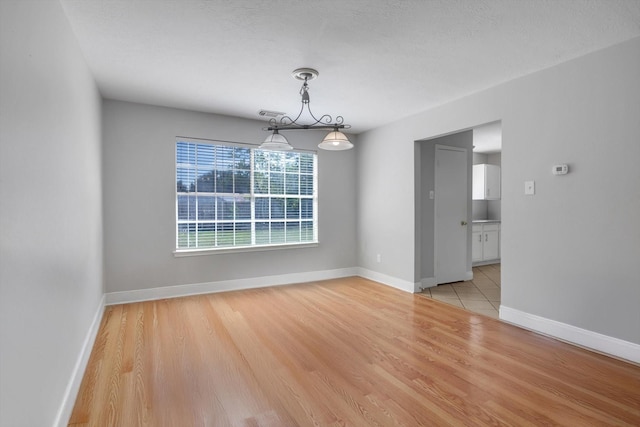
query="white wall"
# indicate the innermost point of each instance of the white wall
(570, 252)
(139, 200)
(50, 210)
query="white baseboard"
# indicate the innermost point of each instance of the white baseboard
(151, 294)
(69, 398)
(394, 282)
(582, 337)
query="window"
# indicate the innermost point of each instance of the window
(232, 195)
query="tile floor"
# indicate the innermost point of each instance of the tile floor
(480, 295)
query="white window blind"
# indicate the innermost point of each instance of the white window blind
(230, 196)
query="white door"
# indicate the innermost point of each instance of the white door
(451, 214)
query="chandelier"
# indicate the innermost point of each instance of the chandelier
(335, 139)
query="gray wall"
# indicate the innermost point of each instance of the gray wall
(50, 210)
(425, 180)
(139, 201)
(563, 259)
(494, 207)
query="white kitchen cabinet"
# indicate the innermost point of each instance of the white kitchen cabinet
(491, 243)
(485, 240)
(486, 182)
(476, 246)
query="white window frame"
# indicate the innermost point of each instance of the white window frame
(207, 250)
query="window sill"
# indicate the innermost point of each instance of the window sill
(178, 253)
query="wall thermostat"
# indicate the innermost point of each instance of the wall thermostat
(560, 169)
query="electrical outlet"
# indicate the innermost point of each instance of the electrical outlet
(529, 188)
(378, 258)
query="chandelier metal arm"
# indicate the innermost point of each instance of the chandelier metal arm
(324, 123)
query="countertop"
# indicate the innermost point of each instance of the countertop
(485, 221)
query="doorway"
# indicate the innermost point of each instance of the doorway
(426, 197)
(480, 293)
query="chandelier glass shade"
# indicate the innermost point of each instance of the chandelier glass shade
(335, 140)
(276, 142)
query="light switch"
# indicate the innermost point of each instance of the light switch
(529, 188)
(431, 194)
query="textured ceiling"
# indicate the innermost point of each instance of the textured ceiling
(379, 61)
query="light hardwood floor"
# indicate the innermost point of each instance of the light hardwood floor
(336, 353)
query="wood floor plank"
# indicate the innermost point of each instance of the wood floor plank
(336, 353)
